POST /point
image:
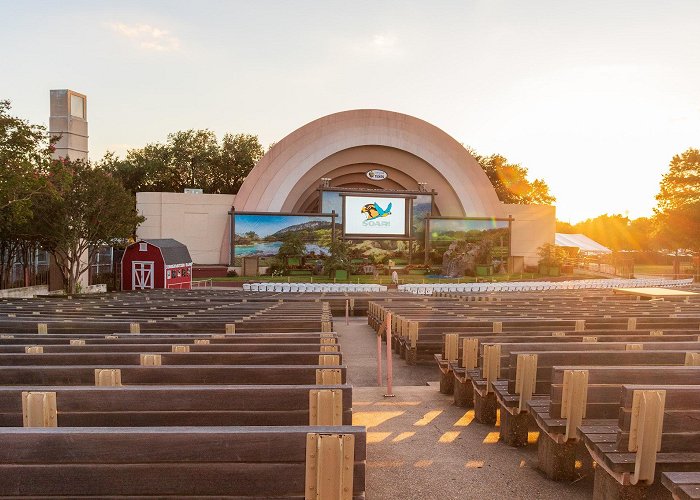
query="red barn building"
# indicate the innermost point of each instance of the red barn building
(162, 263)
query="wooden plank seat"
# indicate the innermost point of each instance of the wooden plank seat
(682, 485)
(114, 339)
(491, 393)
(168, 375)
(138, 406)
(658, 429)
(177, 461)
(160, 326)
(110, 347)
(557, 441)
(108, 359)
(422, 348)
(461, 385)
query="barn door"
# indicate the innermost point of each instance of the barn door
(141, 275)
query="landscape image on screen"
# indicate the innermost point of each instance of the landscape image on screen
(469, 246)
(262, 235)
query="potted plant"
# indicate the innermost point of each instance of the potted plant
(551, 259)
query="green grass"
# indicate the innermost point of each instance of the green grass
(686, 268)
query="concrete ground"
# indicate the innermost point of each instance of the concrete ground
(422, 446)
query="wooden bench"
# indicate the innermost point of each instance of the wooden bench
(163, 405)
(490, 391)
(168, 375)
(272, 462)
(462, 386)
(115, 339)
(107, 359)
(682, 485)
(601, 385)
(420, 347)
(109, 347)
(658, 430)
(454, 344)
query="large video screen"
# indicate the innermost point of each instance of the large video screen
(468, 243)
(262, 235)
(375, 216)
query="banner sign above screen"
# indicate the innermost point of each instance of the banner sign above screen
(375, 216)
(377, 175)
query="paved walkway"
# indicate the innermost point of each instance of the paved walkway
(422, 446)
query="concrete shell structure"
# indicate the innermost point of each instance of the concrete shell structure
(344, 146)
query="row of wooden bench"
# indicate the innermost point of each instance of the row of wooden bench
(160, 312)
(579, 392)
(171, 303)
(417, 334)
(584, 370)
(178, 414)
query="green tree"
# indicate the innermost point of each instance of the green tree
(511, 182)
(83, 209)
(239, 154)
(612, 231)
(641, 234)
(677, 214)
(680, 186)
(616, 232)
(551, 255)
(679, 228)
(25, 155)
(188, 159)
(194, 155)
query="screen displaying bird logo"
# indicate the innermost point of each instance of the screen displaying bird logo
(374, 211)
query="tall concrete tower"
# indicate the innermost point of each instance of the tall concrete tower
(68, 119)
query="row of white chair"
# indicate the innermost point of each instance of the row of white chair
(312, 287)
(531, 286)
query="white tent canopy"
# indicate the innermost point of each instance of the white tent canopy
(580, 241)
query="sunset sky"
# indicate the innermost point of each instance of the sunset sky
(594, 97)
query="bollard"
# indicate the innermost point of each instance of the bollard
(379, 356)
(347, 312)
(389, 370)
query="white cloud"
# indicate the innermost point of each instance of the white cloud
(147, 36)
(379, 45)
(384, 44)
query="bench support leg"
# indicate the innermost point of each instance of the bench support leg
(485, 408)
(606, 487)
(514, 428)
(463, 393)
(557, 461)
(447, 382)
(411, 356)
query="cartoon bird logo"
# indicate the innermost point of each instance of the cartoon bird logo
(374, 211)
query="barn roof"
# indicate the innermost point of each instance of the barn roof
(173, 251)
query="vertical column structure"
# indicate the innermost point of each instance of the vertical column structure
(68, 121)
